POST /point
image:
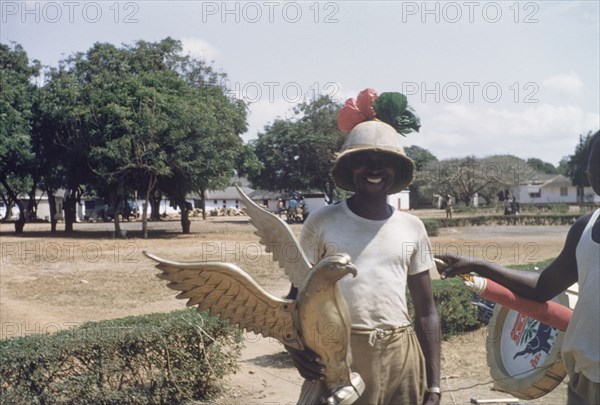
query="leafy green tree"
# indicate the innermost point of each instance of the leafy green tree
(16, 97)
(62, 134)
(419, 190)
(297, 154)
(140, 118)
(205, 155)
(563, 166)
(541, 166)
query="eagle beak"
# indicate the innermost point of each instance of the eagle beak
(353, 271)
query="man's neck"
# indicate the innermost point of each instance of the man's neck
(369, 207)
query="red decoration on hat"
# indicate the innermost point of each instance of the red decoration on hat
(356, 111)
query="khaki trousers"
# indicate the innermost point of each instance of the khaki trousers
(582, 391)
(391, 364)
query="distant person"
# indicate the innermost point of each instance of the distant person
(280, 207)
(578, 262)
(508, 206)
(515, 207)
(293, 204)
(303, 209)
(449, 207)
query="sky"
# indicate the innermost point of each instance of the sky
(485, 77)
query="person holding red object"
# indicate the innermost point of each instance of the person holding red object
(579, 261)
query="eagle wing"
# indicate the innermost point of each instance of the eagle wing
(229, 292)
(278, 239)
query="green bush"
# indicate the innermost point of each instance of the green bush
(432, 226)
(559, 208)
(453, 303)
(528, 219)
(150, 359)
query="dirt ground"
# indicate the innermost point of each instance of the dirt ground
(53, 282)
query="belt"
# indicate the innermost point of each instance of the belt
(381, 334)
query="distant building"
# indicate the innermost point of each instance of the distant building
(401, 200)
(552, 189)
(269, 199)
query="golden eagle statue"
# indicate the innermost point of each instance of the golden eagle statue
(318, 319)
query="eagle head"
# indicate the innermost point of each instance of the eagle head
(335, 267)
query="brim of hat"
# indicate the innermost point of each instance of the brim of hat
(342, 174)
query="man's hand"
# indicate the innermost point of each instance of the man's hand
(431, 398)
(452, 265)
(307, 363)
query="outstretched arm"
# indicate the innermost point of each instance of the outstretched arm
(543, 286)
(428, 328)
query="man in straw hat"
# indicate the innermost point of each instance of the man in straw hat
(390, 249)
(579, 261)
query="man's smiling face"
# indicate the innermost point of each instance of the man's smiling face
(373, 172)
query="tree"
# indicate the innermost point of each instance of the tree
(208, 144)
(422, 158)
(16, 157)
(140, 118)
(296, 154)
(541, 166)
(577, 165)
(563, 166)
(62, 135)
(465, 177)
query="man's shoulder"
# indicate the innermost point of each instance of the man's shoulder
(577, 229)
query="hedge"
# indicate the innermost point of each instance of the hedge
(557, 219)
(432, 226)
(453, 303)
(151, 359)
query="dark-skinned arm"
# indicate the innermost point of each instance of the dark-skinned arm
(428, 329)
(543, 286)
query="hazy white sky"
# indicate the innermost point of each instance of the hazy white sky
(486, 77)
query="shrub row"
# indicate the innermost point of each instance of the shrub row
(432, 226)
(151, 359)
(453, 302)
(558, 219)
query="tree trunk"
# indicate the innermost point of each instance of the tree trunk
(185, 214)
(151, 184)
(20, 223)
(52, 206)
(70, 208)
(330, 192)
(118, 209)
(155, 200)
(203, 197)
(31, 211)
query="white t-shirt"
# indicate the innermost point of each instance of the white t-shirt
(581, 344)
(384, 253)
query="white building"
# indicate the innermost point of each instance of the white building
(553, 189)
(401, 200)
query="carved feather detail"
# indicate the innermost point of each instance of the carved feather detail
(227, 291)
(278, 240)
